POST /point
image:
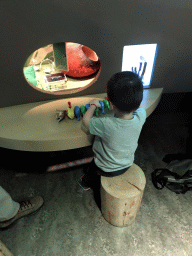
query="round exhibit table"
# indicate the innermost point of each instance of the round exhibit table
(34, 127)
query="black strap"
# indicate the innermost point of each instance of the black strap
(179, 188)
(159, 179)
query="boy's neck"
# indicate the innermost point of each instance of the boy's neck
(125, 117)
(120, 115)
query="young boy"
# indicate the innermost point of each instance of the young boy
(116, 138)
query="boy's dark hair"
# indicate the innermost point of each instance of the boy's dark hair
(125, 91)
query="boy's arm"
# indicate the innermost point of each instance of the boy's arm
(86, 118)
(85, 130)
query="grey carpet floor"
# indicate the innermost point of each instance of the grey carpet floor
(71, 224)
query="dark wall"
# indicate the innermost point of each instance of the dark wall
(103, 25)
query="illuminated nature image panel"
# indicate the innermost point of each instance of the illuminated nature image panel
(140, 59)
(62, 68)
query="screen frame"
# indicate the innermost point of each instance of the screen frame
(153, 61)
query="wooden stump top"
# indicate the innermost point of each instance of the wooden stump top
(129, 184)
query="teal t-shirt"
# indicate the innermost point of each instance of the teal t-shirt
(116, 140)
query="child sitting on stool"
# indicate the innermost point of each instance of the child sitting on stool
(116, 138)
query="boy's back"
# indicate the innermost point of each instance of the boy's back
(116, 140)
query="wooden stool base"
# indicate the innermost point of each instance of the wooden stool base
(121, 196)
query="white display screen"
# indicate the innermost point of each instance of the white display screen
(140, 59)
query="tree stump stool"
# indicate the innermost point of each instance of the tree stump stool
(121, 196)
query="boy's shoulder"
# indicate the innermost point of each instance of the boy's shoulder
(140, 113)
(140, 109)
(98, 125)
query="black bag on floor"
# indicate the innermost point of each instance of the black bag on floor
(177, 176)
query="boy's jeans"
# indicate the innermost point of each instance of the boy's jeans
(93, 175)
(8, 207)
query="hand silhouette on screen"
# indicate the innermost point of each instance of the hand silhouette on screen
(141, 68)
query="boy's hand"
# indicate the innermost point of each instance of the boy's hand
(96, 102)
